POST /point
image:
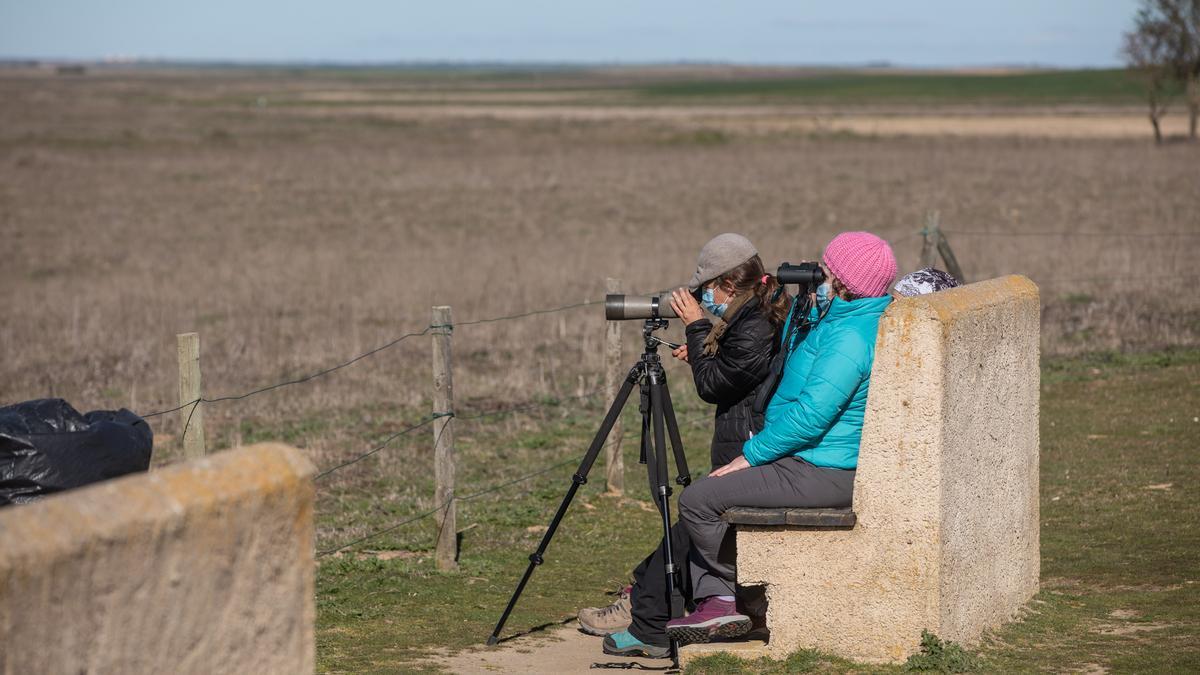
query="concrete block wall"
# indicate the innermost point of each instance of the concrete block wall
(203, 567)
(946, 493)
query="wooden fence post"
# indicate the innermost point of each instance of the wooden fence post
(929, 243)
(446, 552)
(613, 377)
(191, 417)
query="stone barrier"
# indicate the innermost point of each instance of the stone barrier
(946, 495)
(202, 567)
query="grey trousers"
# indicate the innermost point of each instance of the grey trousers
(789, 481)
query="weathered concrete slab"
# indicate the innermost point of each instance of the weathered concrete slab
(203, 567)
(946, 494)
(561, 650)
(743, 649)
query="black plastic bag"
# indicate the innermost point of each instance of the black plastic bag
(47, 446)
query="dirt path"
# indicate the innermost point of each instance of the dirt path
(559, 650)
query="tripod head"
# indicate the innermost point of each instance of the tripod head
(652, 340)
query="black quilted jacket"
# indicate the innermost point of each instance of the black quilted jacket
(731, 377)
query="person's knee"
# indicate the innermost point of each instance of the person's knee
(692, 500)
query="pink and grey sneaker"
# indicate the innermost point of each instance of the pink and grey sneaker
(713, 618)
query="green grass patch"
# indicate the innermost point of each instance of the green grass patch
(698, 137)
(382, 604)
(1120, 536)
(1120, 530)
(1112, 86)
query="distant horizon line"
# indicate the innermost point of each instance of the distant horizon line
(516, 64)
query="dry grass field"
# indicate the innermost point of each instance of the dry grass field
(297, 219)
(136, 205)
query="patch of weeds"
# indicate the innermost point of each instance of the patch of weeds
(832, 134)
(294, 432)
(213, 319)
(940, 656)
(800, 661)
(535, 441)
(699, 137)
(1098, 363)
(1078, 298)
(219, 137)
(374, 121)
(43, 273)
(1081, 335)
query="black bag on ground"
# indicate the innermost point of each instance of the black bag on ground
(47, 446)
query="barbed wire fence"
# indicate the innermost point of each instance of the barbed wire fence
(192, 426)
(935, 244)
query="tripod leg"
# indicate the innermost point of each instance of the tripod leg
(649, 455)
(684, 477)
(662, 491)
(579, 478)
(660, 442)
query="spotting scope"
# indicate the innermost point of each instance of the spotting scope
(624, 307)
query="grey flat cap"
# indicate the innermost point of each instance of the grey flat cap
(721, 254)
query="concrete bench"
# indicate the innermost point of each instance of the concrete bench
(943, 534)
(200, 567)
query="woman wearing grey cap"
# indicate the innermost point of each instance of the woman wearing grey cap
(730, 356)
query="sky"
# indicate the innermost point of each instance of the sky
(922, 33)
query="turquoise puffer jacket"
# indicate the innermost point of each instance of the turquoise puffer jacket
(817, 412)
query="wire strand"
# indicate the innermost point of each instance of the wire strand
(349, 362)
(533, 405)
(445, 505)
(1085, 233)
(465, 418)
(386, 442)
(1118, 279)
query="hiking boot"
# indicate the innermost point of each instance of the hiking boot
(625, 644)
(713, 618)
(603, 621)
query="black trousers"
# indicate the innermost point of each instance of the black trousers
(650, 607)
(649, 597)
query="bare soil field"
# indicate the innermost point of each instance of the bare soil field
(293, 233)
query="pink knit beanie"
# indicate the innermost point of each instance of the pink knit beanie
(863, 262)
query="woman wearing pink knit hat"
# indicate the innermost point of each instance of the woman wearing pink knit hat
(807, 452)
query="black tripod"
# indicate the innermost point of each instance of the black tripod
(657, 413)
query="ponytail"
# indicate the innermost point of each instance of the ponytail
(773, 300)
(751, 276)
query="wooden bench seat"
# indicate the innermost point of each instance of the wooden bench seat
(843, 518)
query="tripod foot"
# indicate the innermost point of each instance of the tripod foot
(493, 641)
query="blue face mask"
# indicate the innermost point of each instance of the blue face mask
(824, 293)
(709, 302)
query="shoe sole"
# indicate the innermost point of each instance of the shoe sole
(639, 651)
(601, 632)
(688, 635)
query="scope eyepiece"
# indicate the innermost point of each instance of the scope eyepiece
(632, 307)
